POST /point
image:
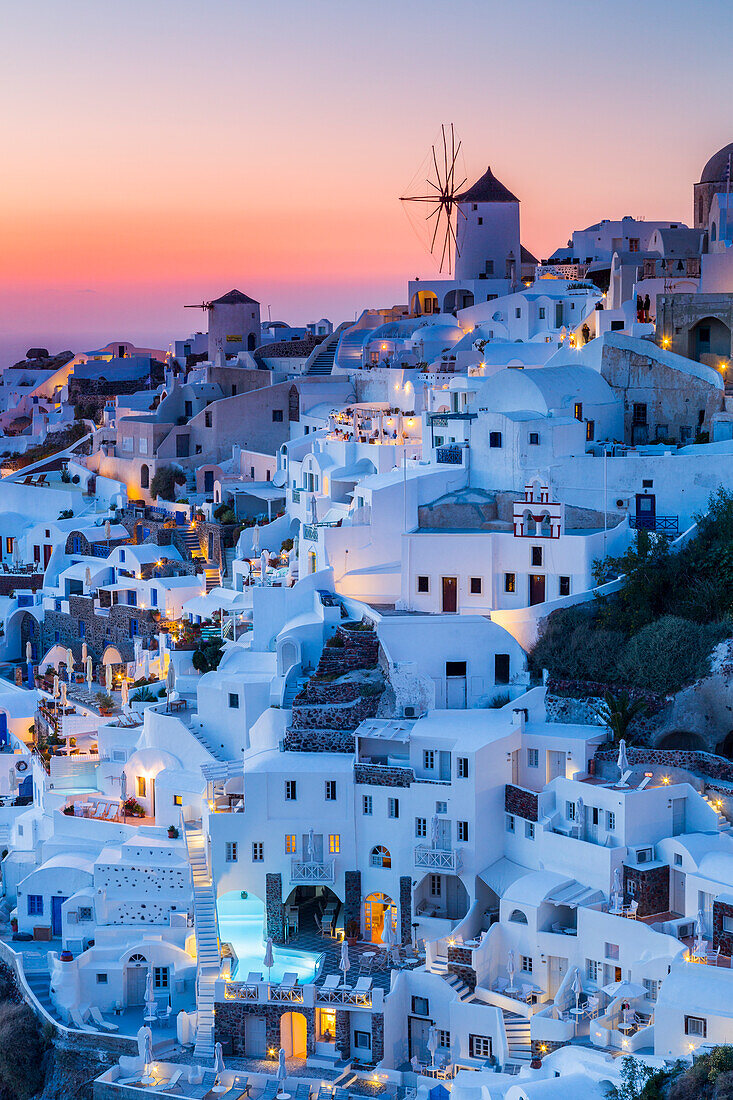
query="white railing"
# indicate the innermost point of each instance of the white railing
(438, 859)
(344, 997)
(312, 870)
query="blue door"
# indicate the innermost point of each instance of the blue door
(56, 904)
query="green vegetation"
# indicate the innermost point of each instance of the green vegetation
(164, 482)
(225, 514)
(142, 695)
(709, 1077)
(54, 441)
(22, 1047)
(657, 633)
(619, 711)
(207, 655)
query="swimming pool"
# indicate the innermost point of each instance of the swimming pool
(241, 923)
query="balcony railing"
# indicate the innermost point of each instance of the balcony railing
(666, 525)
(451, 456)
(312, 870)
(344, 997)
(295, 494)
(438, 859)
(310, 532)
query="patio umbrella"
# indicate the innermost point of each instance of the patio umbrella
(269, 959)
(69, 663)
(88, 578)
(256, 539)
(63, 693)
(577, 987)
(432, 1043)
(90, 673)
(314, 510)
(107, 530)
(434, 830)
(263, 566)
(142, 1037)
(123, 787)
(151, 1006)
(125, 692)
(699, 932)
(218, 1061)
(56, 688)
(579, 813)
(344, 963)
(28, 651)
(108, 677)
(311, 846)
(84, 652)
(148, 1047)
(282, 1070)
(510, 968)
(623, 761)
(624, 989)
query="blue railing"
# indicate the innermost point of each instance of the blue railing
(451, 455)
(663, 525)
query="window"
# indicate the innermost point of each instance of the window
(330, 786)
(526, 964)
(443, 1038)
(363, 1040)
(366, 805)
(258, 851)
(564, 586)
(502, 668)
(231, 851)
(652, 988)
(495, 439)
(463, 832)
(277, 416)
(697, 1026)
(541, 313)
(510, 823)
(423, 584)
(463, 767)
(510, 582)
(610, 821)
(421, 826)
(380, 857)
(647, 483)
(578, 410)
(290, 844)
(142, 786)
(633, 244)
(420, 1006)
(393, 807)
(590, 431)
(533, 758)
(678, 863)
(85, 912)
(177, 800)
(35, 905)
(233, 701)
(161, 977)
(592, 970)
(518, 312)
(518, 917)
(436, 887)
(207, 419)
(133, 628)
(612, 951)
(570, 811)
(334, 843)
(477, 586)
(534, 439)
(291, 790)
(102, 979)
(428, 759)
(529, 830)
(479, 1046)
(82, 629)
(639, 414)
(536, 555)
(441, 807)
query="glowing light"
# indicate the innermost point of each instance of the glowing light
(665, 341)
(665, 779)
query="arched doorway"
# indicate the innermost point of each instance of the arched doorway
(294, 1034)
(725, 747)
(709, 339)
(682, 739)
(376, 907)
(136, 972)
(144, 476)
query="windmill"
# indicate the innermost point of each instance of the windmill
(441, 198)
(201, 305)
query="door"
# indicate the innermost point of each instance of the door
(56, 904)
(255, 1039)
(444, 766)
(455, 692)
(557, 968)
(678, 892)
(417, 1039)
(317, 854)
(646, 511)
(47, 551)
(555, 764)
(515, 767)
(443, 836)
(208, 481)
(450, 595)
(182, 446)
(136, 976)
(678, 816)
(536, 588)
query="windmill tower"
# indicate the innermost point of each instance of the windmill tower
(487, 231)
(234, 323)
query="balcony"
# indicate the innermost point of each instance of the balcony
(438, 859)
(312, 871)
(665, 525)
(450, 456)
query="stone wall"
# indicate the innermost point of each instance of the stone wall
(722, 938)
(274, 907)
(99, 631)
(405, 909)
(460, 963)
(649, 887)
(519, 801)
(383, 775)
(703, 763)
(21, 581)
(231, 1022)
(352, 897)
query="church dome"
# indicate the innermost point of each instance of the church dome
(715, 169)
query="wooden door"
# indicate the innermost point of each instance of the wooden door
(450, 595)
(536, 588)
(646, 511)
(136, 976)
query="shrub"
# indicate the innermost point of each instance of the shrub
(104, 701)
(143, 695)
(164, 482)
(669, 653)
(286, 546)
(22, 1046)
(499, 700)
(208, 654)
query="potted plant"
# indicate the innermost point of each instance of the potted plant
(352, 931)
(173, 833)
(105, 703)
(132, 808)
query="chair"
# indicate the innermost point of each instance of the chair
(331, 984)
(363, 985)
(195, 1075)
(500, 985)
(96, 1017)
(270, 1090)
(631, 911)
(171, 1083)
(289, 980)
(302, 1092)
(254, 977)
(711, 957)
(340, 1094)
(99, 811)
(324, 1093)
(78, 1020)
(112, 812)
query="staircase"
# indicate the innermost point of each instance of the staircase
(230, 553)
(207, 941)
(517, 1030)
(439, 966)
(321, 359)
(293, 688)
(724, 826)
(191, 542)
(212, 575)
(190, 481)
(40, 984)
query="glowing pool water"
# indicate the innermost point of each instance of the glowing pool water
(241, 923)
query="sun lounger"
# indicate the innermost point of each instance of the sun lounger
(112, 812)
(99, 811)
(78, 1021)
(363, 985)
(340, 1094)
(324, 1093)
(302, 1092)
(331, 984)
(289, 980)
(254, 977)
(96, 1017)
(171, 1083)
(270, 1090)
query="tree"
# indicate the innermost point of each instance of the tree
(618, 711)
(634, 1077)
(164, 482)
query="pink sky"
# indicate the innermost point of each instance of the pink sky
(162, 151)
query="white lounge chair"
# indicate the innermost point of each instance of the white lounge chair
(99, 811)
(331, 984)
(96, 1017)
(171, 1083)
(289, 980)
(78, 1020)
(254, 977)
(363, 985)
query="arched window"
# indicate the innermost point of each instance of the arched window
(144, 476)
(545, 526)
(518, 917)
(312, 561)
(380, 857)
(137, 959)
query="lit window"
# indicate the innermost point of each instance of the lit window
(380, 857)
(141, 786)
(334, 843)
(510, 582)
(177, 799)
(290, 847)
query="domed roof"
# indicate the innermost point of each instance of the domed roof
(715, 169)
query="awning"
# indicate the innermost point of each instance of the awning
(500, 874)
(574, 894)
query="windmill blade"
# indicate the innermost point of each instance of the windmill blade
(441, 197)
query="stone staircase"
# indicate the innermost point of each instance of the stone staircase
(517, 1030)
(294, 688)
(40, 984)
(207, 941)
(724, 826)
(191, 543)
(212, 576)
(230, 553)
(439, 966)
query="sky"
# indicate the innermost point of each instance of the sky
(159, 152)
